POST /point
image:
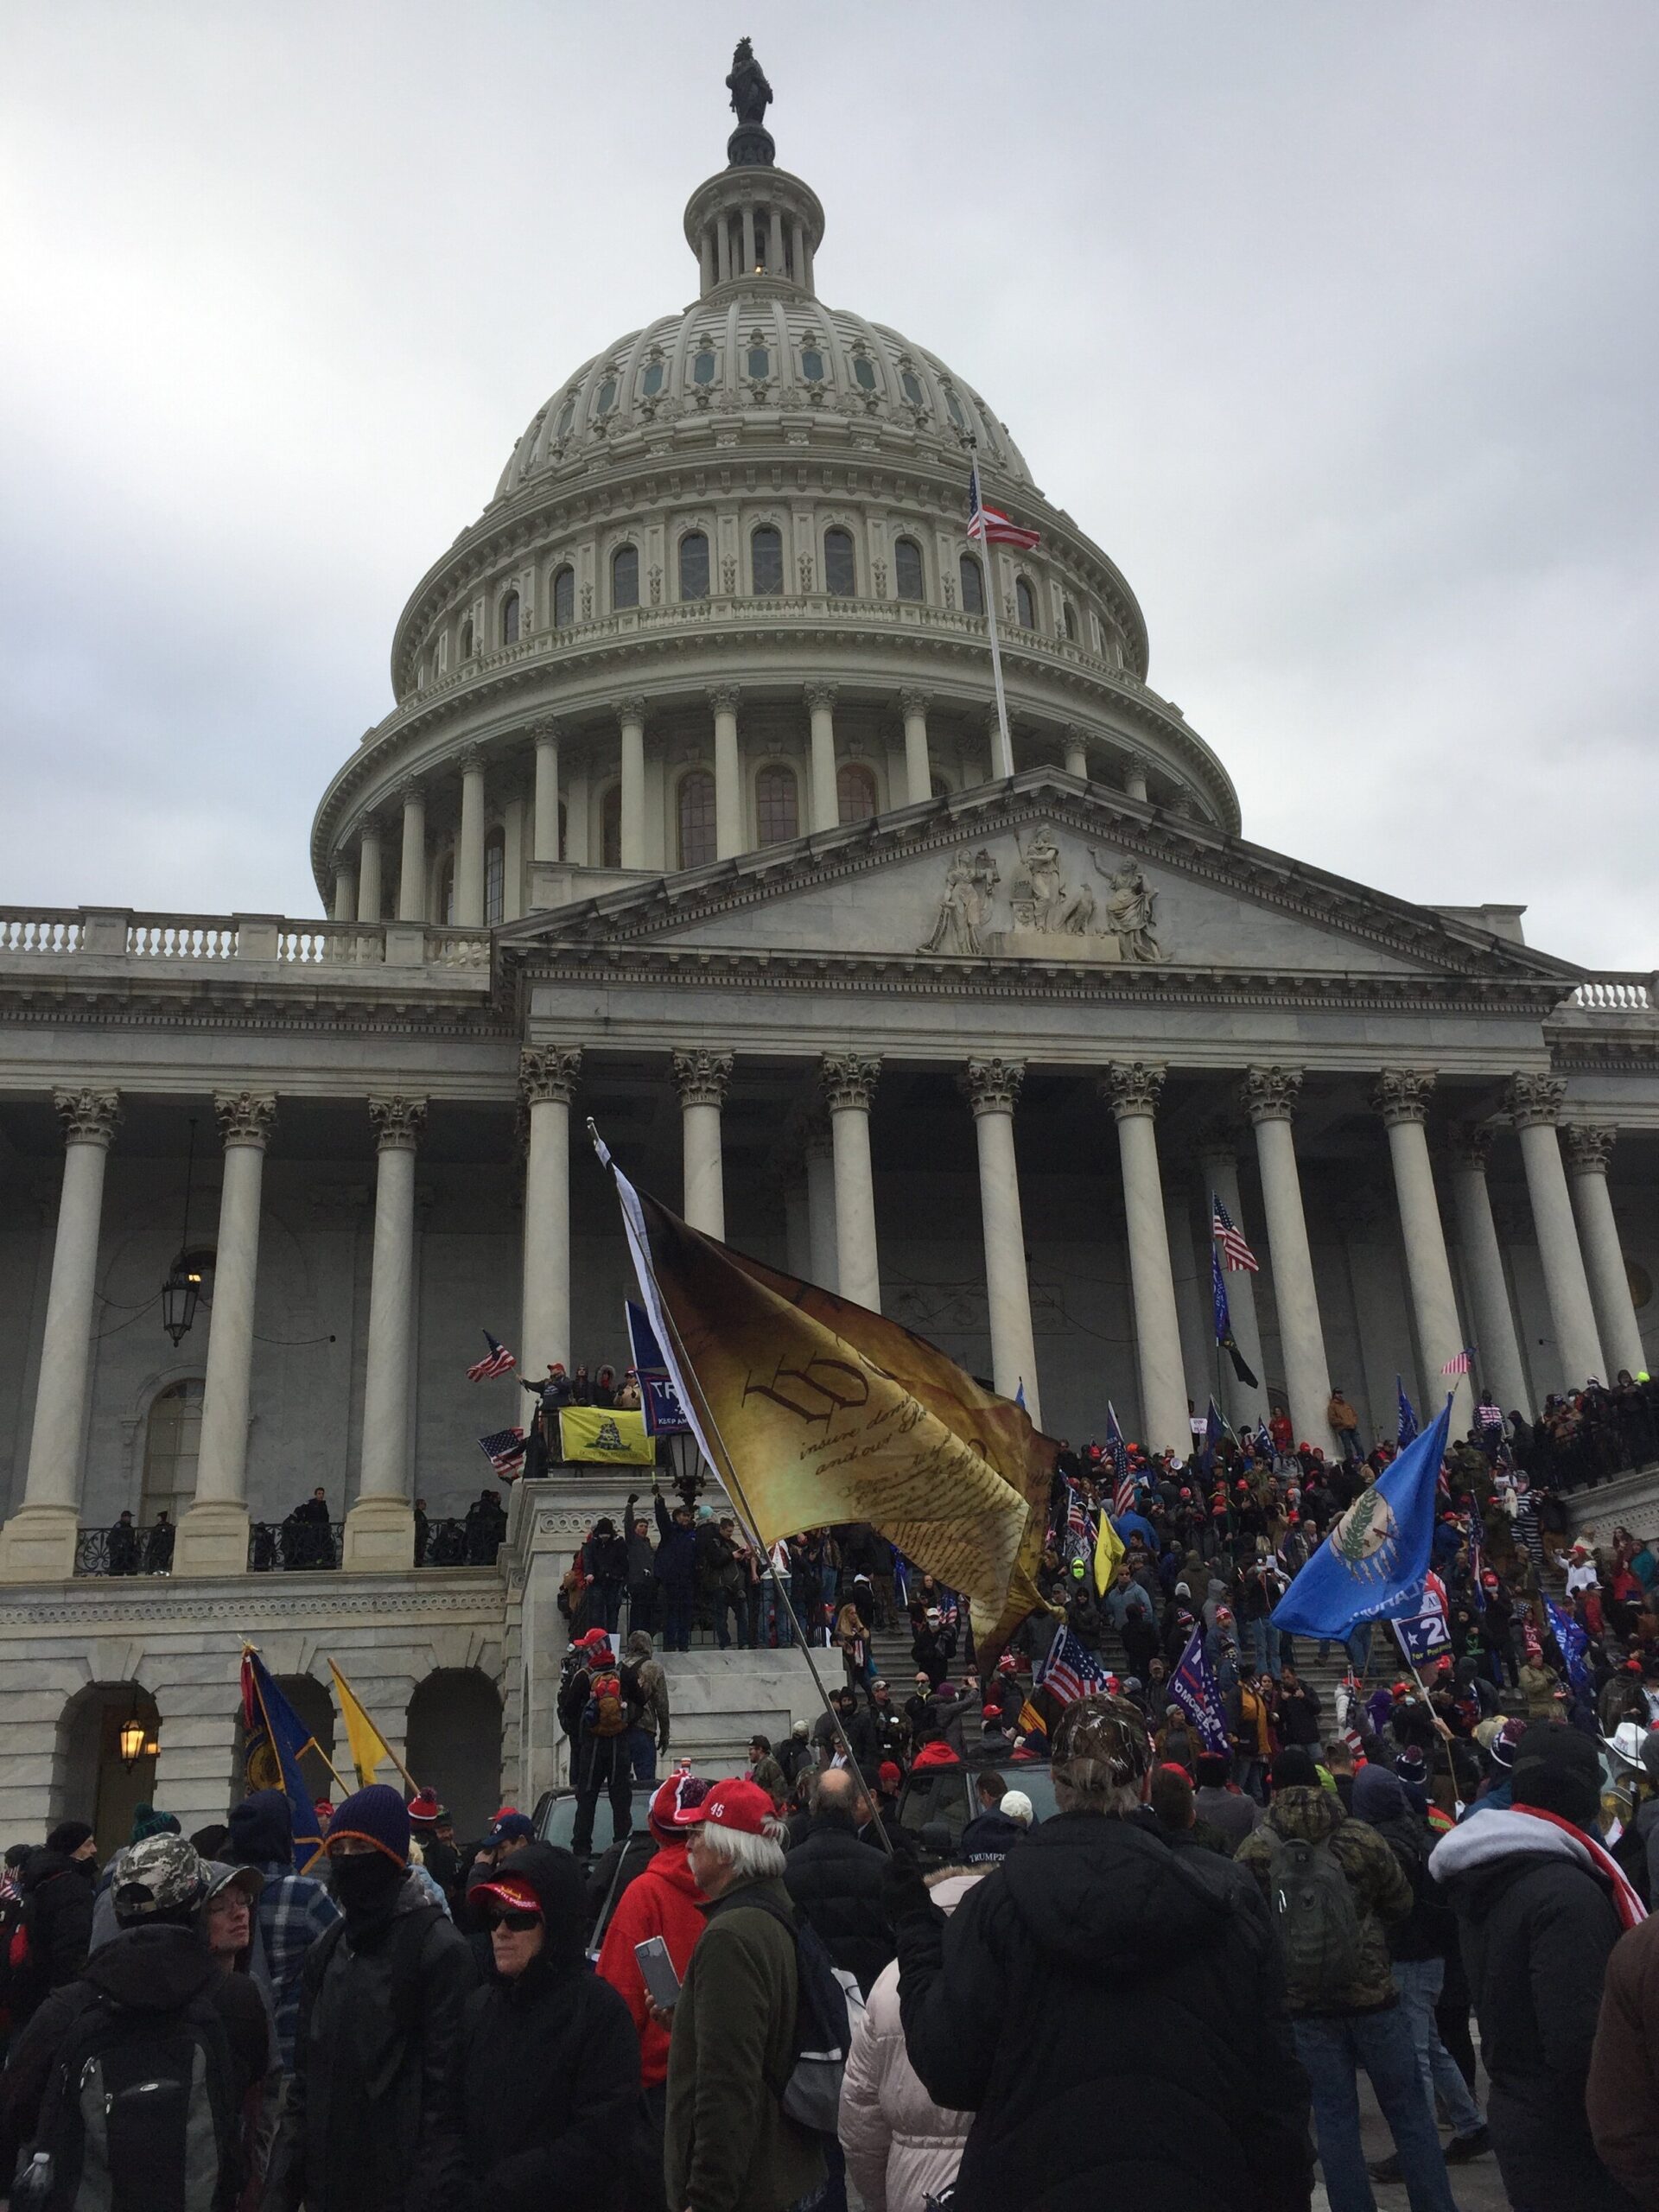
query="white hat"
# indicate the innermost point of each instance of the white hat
(1016, 1806)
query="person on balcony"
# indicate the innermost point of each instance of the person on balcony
(158, 1547)
(123, 1546)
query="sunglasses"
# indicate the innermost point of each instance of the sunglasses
(516, 1923)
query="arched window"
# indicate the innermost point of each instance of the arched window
(854, 792)
(172, 1441)
(510, 619)
(840, 575)
(495, 878)
(864, 372)
(1025, 605)
(625, 577)
(776, 811)
(766, 561)
(941, 789)
(605, 399)
(694, 565)
(907, 567)
(955, 407)
(972, 586)
(913, 387)
(696, 811)
(1068, 616)
(565, 598)
(651, 383)
(467, 639)
(446, 890)
(610, 828)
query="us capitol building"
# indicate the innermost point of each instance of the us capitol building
(685, 820)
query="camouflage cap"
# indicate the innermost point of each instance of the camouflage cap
(1102, 1743)
(161, 1875)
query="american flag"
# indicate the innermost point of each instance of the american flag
(497, 1361)
(1235, 1252)
(1069, 1672)
(1076, 1522)
(990, 524)
(1460, 1363)
(504, 1449)
(1124, 1497)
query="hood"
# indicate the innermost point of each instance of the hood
(152, 1969)
(1379, 1796)
(557, 1881)
(671, 1866)
(1482, 1856)
(262, 1832)
(1310, 1815)
(43, 1866)
(1107, 1897)
(950, 1884)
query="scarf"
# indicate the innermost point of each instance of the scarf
(1631, 1908)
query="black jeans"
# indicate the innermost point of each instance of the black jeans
(602, 1762)
(735, 1601)
(676, 1616)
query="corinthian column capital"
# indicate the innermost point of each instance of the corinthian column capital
(724, 699)
(245, 1117)
(702, 1078)
(992, 1086)
(1470, 1144)
(913, 702)
(549, 1072)
(88, 1117)
(1270, 1094)
(1589, 1147)
(848, 1080)
(399, 1122)
(820, 697)
(1535, 1099)
(1402, 1095)
(1131, 1087)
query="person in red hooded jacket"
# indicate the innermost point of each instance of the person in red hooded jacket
(662, 1900)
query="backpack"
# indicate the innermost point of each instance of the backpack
(140, 2094)
(1316, 1925)
(828, 2005)
(609, 1702)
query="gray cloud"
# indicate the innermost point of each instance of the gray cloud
(1335, 328)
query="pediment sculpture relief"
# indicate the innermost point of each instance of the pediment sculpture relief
(1047, 917)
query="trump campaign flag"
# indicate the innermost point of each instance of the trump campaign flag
(659, 1400)
(1574, 1646)
(1371, 1565)
(1192, 1687)
(1426, 1633)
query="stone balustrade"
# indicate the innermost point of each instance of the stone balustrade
(106, 934)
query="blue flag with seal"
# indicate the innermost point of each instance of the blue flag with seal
(1371, 1565)
(1193, 1685)
(275, 1739)
(1407, 1428)
(1574, 1646)
(660, 1400)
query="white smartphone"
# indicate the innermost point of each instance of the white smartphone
(659, 1971)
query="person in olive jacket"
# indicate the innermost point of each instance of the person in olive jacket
(541, 2110)
(729, 2147)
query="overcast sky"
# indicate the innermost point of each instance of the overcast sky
(1335, 325)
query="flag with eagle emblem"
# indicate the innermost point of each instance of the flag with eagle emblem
(1371, 1565)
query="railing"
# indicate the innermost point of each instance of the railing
(182, 937)
(456, 1543)
(448, 948)
(124, 1549)
(22, 931)
(209, 939)
(1614, 994)
(295, 1546)
(309, 945)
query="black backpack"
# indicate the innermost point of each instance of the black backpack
(140, 2110)
(827, 2004)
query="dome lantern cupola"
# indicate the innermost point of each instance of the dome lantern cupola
(753, 223)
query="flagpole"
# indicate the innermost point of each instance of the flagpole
(1004, 762)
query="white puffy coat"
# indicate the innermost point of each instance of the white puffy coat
(900, 2146)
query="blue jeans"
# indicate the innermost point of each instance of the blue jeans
(1264, 1646)
(1419, 1982)
(642, 1754)
(676, 1616)
(1332, 2051)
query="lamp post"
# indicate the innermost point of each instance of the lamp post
(182, 1288)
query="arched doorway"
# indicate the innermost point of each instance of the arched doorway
(109, 1736)
(454, 1744)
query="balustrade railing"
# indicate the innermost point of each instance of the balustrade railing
(309, 945)
(182, 937)
(1614, 994)
(47, 931)
(452, 948)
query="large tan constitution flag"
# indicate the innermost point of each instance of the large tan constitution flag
(813, 1409)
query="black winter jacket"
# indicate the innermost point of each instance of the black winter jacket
(58, 1896)
(677, 1551)
(1098, 1973)
(380, 2020)
(836, 1882)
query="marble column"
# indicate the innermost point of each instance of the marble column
(826, 803)
(544, 848)
(1535, 1103)
(1269, 1097)
(411, 876)
(1499, 1365)
(369, 872)
(1218, 1164)
(818, 1150)
(213, 1536)
(728, 774)
(1134, 776)
(631, 717)
(345, 903)
(547, 1076)
(380, 1526)
(702, 1080)
(992, 1089)
(1588, 1150)
(919, 768)
(1132, 1088)
(848, 1081)
(1076, 752)
(1402, 1097)
(37, 1544)
(469, 845)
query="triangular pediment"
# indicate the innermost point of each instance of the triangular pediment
(1045, 869)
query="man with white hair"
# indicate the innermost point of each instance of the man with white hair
(728, 2145)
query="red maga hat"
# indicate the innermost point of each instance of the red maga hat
(739, 1804)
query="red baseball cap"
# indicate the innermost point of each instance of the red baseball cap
(739, 1804)
(510, 1891)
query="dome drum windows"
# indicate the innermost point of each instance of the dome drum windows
(467, 639)
(840, 567)
(759, 364)
(973, 585)
(694, 805)
(495, 878)
(777, 805)
(704, 366)
(812, 364)
(651, 383)
(1024, 604)
(907, 569)
(694, 565)
(1069, 621)
(911, 384)
(564, 597)
(766, 562)
(605, 399)
(854, 793)
(625, 578)
(510, 619)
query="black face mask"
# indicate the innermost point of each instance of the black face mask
(365, 1883)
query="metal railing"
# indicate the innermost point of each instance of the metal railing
(125, 1549)
(291, 1546)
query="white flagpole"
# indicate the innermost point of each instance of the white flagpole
(1003, 764)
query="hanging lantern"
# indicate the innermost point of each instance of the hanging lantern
(182, 1288)
(133, 1739)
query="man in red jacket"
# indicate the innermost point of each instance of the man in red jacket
(661, 1900)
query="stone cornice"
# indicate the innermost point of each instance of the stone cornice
(126, 1604)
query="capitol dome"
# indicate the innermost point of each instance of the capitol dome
(722, 598)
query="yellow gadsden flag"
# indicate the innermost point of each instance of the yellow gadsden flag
(368, 1745)
(815, 1410)
(597, 1433)
(1109, 1550)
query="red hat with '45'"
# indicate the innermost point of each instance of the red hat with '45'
(739, 1804)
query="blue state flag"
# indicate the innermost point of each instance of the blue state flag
(275, 1739)
(1371, 1565)
(660, 1400)
(1407, 1428)
(1218, 1298)
(1193, 1685)
(1213, 1428)
(1574, 1645)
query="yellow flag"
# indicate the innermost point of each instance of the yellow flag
(368, 1745)
(1109, 1550)
(817, 1410)
(598, 1432)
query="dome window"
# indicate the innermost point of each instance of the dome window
(840, 572)
(567, 417)
(912, 384)
(777, 808)
(854, 793)
(625, 578)
(495, 878)
(610, 828)
(864, 372)
(954, 407)
(766, 562)
(702, 367)
(1068, 618)
(696, 813)
(605, 399)
(1025, 605)
(759, 363)
(510, 619)
(813, 365)
(972, 586)
(565, 598)
(908, 568)
(694, 565)
(651, 383)
(447, 892)
(467, 639)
